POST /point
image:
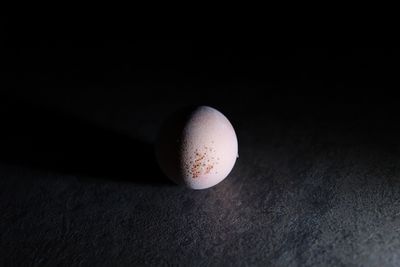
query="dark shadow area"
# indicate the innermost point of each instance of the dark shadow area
(46, 139)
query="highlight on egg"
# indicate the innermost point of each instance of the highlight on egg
(197, 147)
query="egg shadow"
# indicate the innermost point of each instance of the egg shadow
(46, 139)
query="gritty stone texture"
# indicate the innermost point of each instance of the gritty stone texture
(309, 189)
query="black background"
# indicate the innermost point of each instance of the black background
(317, 181)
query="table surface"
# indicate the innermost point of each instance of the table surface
(316, 184)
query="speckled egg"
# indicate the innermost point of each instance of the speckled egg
(197, 147)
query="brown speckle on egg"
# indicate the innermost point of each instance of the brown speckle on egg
(209, 167)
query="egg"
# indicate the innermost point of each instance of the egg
(197, 147)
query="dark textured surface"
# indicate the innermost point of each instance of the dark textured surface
(317, 182)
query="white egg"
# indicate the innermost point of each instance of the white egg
(197, 147)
